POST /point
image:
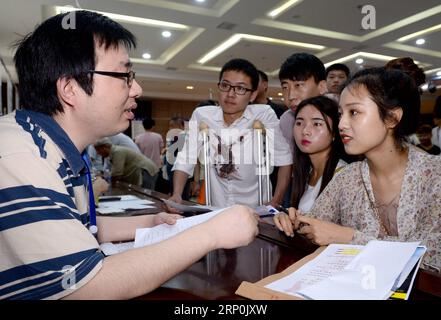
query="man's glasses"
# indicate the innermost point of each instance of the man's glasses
(129, 75)
(226, 87)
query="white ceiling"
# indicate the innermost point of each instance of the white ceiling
(333, 27)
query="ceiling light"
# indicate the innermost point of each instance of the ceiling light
(279, 10)
(146, 55)
(190, 87)
(420, 41)
(166, 34)
(240, 36)
(438, 73)
(129, 19)
(200, 1)
(419, 33)
(280, 94)
(424, 86)
(359, 61)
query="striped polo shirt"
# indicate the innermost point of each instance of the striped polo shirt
(46, 250)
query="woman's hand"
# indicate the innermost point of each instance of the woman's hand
(323, 232)
(164, 217)
(287, 222)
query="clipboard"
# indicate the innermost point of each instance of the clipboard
(257, 290)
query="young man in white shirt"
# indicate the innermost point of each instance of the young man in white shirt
(233, 172)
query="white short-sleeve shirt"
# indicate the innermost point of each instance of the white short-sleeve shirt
(233, 152)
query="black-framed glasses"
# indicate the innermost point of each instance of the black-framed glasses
(226, 87)
(129, 75)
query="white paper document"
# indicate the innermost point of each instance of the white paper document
(347, 272)
(109, 248)
(148, 236)
(124, 203)
(331, 261)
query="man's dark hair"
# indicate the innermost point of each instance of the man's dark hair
(244, 66)
(52, 51)
(177, 121)
(302, 66)
(148, 123)
(339, 67)
(263, 75)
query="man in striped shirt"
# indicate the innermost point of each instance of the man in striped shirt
(76, 86)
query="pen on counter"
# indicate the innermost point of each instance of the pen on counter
(109, 199)
(283, 209)
(267, 215)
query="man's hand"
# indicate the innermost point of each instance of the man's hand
(99, 186)
(164, 217)
(323, 232)
(234, 227)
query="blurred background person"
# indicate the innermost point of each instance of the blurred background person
(436, 131)
(336, 76)
(262, 95)
(424, 134)
(127, 165)
(150, 143)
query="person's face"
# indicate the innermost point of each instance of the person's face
(425, 138)
(437, 121)
(295, 91)
(361, 127)
(335, 79)
(311, 133)
(103, 151)
(110, 108)
(233, 104)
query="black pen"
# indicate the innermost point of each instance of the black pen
(301, 224)
(280, 208)
(267, 215)
(109, 199)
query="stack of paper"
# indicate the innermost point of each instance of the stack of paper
(353, 272)
(121, 204)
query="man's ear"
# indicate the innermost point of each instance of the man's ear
(66, 90)
(394, 117)
(253, 96)
(322, 87)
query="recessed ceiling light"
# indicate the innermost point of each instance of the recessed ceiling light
(166, 34)
(146, 55)
(282, 8)
(359, 61)
(200, 1)
(420, 41)
(438, 73)
(280, 94)
(190, 87)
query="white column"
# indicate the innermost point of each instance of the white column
(9, 96)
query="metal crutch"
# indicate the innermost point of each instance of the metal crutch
(203, 128)
(260, 131)
(257, 126)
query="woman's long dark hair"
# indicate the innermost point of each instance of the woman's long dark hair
(302, 162)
